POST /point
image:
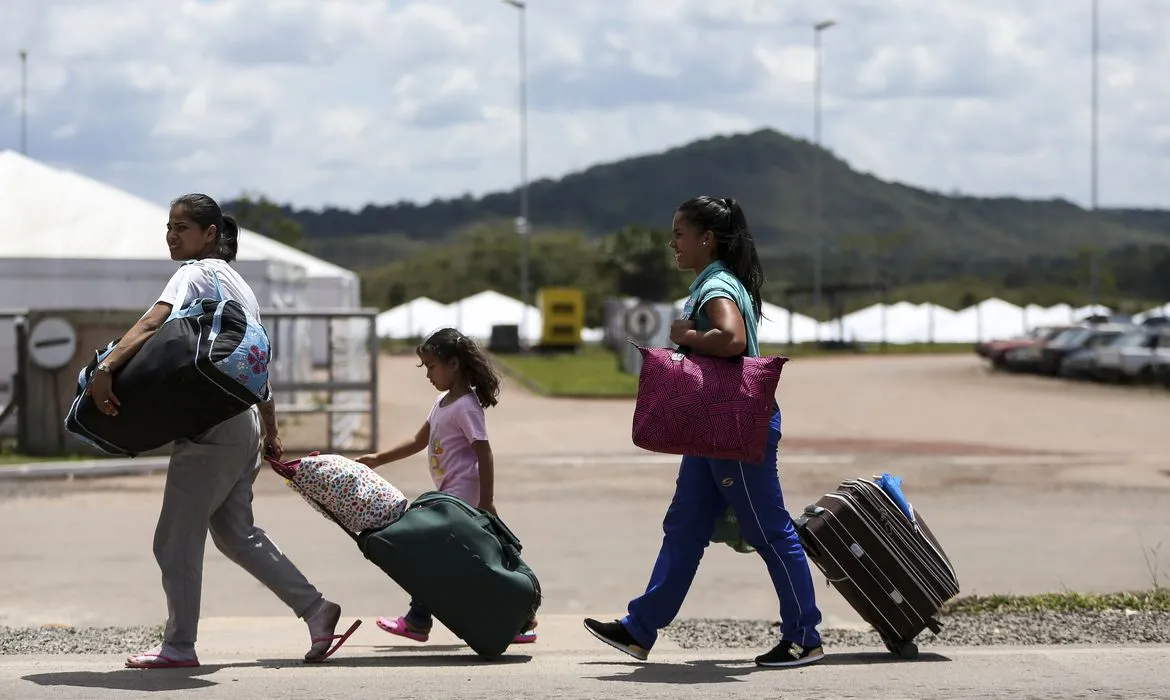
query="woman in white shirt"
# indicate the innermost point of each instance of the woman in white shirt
(209, 479)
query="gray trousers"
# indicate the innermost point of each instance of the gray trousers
(209, 487)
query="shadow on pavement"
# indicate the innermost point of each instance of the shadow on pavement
(878, 657)
(419, 649)
(147, 680)
(176, 679)
(414, 660)
(731, 670)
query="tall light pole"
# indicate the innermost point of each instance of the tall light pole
(522, 224)
(818, 258)
(23, 102)
(1094, 252)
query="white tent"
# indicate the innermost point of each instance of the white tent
(73, 242)
(415, 318)
(476, 315)
(59, 224)
(1091, 310)
(989, 319)
(1037, 316)
(1156, 312)
(775, 325)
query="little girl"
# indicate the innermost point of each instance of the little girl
(455, 437)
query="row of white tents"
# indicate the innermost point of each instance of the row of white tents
(899, 323)
(74, 243)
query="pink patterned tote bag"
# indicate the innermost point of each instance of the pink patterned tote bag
(716, 407)
(358, 497)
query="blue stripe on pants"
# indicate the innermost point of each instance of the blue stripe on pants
(702, 492)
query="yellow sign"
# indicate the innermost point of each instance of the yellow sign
(562, 311)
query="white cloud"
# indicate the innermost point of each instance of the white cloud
(348, 102)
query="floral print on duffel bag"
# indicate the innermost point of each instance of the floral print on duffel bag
(356, 495)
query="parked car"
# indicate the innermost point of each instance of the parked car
(995, 351)
(1047, 358)
(1082, 362)
(1138, 356)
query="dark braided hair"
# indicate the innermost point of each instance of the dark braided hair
(734, 244)
(447, 343)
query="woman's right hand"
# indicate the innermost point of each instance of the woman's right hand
(273, 447)
(370, 460)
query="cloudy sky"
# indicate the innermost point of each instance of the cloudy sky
(347, 102)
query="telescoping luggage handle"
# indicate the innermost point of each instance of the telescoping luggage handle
(288, 470)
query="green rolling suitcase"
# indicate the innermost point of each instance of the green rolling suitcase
(461, 563)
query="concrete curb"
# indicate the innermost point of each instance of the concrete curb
(83, 468)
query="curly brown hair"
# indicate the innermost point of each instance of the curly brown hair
(477, 369)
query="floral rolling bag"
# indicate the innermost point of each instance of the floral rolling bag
(357, 497)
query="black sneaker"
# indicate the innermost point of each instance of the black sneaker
(615, 634)
(787, 654)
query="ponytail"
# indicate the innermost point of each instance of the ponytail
(227, 244)
(739, 253)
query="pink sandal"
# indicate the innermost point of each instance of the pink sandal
(341, 639)
(156, 659)
(400, 628)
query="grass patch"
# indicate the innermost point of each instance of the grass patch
(594, 371)
(9, 456)
(7, 459)
(1153, 600)
(591, 371)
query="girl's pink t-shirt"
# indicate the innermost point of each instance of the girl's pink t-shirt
(454, 466)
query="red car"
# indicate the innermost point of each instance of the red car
(995, 350)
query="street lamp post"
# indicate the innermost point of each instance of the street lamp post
(1094, 252)
(818, 258)
(522, 222)
(23, 102)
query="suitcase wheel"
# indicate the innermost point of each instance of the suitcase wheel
(903, 650)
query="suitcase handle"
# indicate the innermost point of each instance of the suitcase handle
(286, 469)
(508, 538)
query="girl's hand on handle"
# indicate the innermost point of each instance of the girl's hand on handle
(489, 507)
(370, 460)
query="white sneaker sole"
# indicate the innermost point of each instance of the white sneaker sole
(795, 662)
(640, 654)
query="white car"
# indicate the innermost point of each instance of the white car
(1138, 355)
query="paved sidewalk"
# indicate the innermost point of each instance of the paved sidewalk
(259, 658)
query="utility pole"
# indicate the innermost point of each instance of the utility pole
(1095, 250)
(23, 102)
(818, 258)
(523, 227)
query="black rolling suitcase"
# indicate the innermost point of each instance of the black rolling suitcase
(887, 565)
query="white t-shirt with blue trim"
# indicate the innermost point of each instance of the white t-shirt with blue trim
(197, 281)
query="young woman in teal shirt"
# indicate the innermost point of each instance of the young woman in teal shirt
(711, 237)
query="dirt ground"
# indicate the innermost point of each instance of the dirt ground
(1031, 485)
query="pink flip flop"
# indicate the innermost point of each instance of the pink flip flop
(525, 637)
(341, 639)
(398, 627)
(148, 659)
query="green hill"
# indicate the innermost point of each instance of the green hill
(771, 174)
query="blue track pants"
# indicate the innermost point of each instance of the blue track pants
(704, 489)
